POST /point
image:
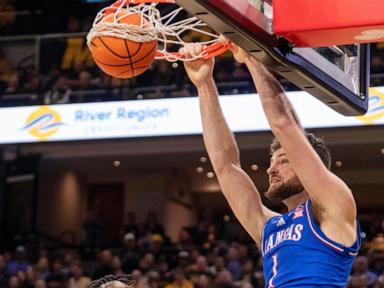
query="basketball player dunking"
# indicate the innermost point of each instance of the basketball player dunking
(315, 243)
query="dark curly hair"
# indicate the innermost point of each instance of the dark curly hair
(317, 144)
(110, 280)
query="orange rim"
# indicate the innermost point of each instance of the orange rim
(212, 50)
(119, 3)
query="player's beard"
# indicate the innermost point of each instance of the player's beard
(278, 192)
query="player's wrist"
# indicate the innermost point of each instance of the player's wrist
(250, 61)
(205, 83)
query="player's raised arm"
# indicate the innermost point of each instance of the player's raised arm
(332, 201)
(220, 143)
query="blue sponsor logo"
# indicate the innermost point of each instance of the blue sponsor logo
(138, 115)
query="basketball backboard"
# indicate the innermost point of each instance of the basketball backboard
(337, 75)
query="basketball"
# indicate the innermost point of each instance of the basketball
(123, 58)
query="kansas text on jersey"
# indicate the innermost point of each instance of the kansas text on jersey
(296, 253)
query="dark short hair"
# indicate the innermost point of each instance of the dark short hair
(316, 143)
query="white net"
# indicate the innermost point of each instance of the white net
(165, 29)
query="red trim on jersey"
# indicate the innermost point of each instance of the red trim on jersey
(325, 241)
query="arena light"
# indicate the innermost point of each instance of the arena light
(116, 163)
(254, 167)
(338, 163)
(203, 159)
(199, 169)
(210, 175)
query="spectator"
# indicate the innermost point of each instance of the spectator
(183, 259)
(33, 85)
(140, 280)
(203, 282)
(234, 266)
(42, 267)
(21, 275)
(13, 85)
(199, 268)
(84, 81)
(5, 69)
(78, 280)
(162, 74)
(7, 14)
(143, 235)
(360, 274)
(218, 266)
(19, 263)
(130, 255)
(60, 92)
(222, 265)
(74, 73)
(31, 277)
(50, 79)
(376, 255)
(377, 70)
(377, 64)
(3, 274)
(147, 263)
(250, 276)
(185, 240)
(40, 283)
(180, 281)
(73, 25)
(26, 73)
(69, 258)
(156, 244)
(14, 282)
(57, 277)
(165, 274)
(380, 282)
(259, 276)
(223, 280)
(105, 266)
(243, 253)
(116, 265)
(154, 280)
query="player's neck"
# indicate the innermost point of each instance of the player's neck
(295, 200)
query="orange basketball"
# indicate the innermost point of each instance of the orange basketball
(122, 58)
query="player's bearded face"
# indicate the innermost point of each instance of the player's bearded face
(279, 191)
(283, 182)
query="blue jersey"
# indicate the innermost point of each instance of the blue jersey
(296, 253)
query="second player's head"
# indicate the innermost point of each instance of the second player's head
(283, 181)
(112, 281)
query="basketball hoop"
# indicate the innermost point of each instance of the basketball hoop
(164, 29)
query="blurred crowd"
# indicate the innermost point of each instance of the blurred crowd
(163, 79)
(61, 81)
(89, 84)
(216, 253)
(26, 84)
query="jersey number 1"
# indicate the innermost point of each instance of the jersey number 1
(274, 271)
